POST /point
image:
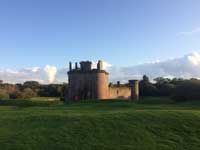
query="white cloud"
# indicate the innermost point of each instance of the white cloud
(194, 58)
(192, 32)
(187, 66)
(43, 75)
(106, 65)
(51, 73)
(35, 69)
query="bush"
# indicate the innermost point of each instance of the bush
(3, 95)
(28, 93)
(16, 95)
(187, 90)
(25, 94)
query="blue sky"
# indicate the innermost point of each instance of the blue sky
(122, 32)
(39, 37)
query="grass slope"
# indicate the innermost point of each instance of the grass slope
(147, 125)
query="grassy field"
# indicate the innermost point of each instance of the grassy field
(151, 124)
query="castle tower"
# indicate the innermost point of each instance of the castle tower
(134, 89)
(87, 83)
(102, 84)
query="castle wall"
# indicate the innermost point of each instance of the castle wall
(119, 92)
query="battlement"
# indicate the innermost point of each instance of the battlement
(86, 66)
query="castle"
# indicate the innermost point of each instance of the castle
(87, 83)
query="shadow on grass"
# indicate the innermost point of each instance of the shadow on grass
(27, 103)
(156, 100)
(149, 102)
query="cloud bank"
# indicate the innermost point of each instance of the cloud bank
(187, 66)
(43, 75)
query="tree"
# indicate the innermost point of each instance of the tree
(187, 90)
(25, 94)
(3, 95)
(16, 95)
(161, 81)
(147, 88)
(29, 93)
(145, 79)
(19, 86)
(177, 81)
(51, 90)
(166, 89)
(31, 84)
(64, 90)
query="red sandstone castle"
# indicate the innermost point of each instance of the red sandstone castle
(87, 83)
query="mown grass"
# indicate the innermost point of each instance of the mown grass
(151, 124)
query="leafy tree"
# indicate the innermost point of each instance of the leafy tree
(177, 81)
(147, 88)
(187, 90)
(51, 90)
(145, 79)
(166, 89)
(64, 90)
(31, 84)
(19, 86)
(29, 93)
(3, 95)
(161, 81)
(16, 95)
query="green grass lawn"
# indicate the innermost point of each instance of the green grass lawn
(151, 124)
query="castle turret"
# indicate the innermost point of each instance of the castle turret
(100, 65)
(76, 66)
(70, 66)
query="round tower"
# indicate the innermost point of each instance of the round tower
(102, 85)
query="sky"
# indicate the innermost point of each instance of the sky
(46, 34)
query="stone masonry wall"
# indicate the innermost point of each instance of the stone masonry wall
(119, 92)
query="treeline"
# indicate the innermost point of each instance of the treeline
(178, 88)
(31, 89)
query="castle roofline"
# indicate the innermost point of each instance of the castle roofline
(87, 71)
